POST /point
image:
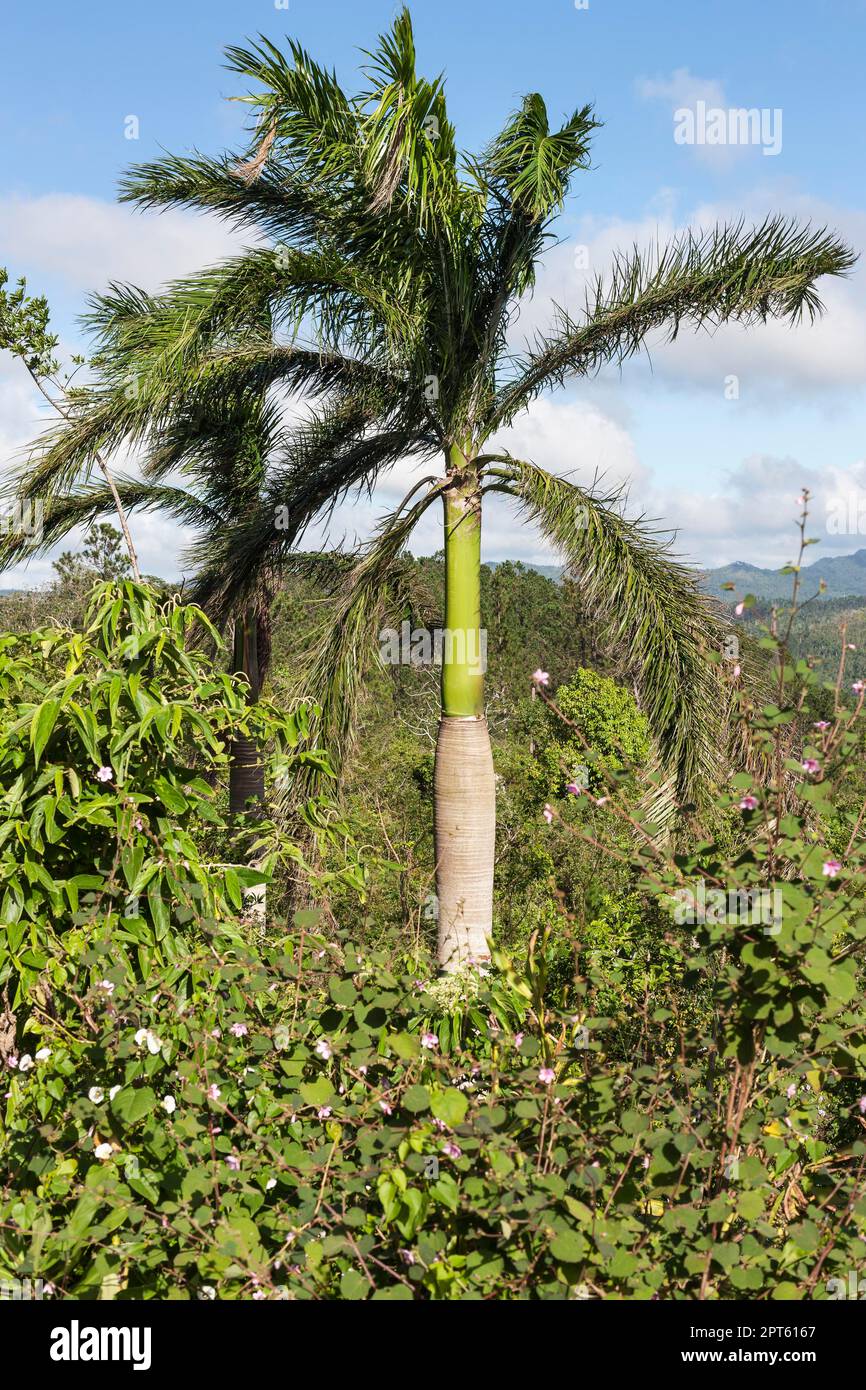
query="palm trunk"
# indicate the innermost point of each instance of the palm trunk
(464, 788)
(246, 769)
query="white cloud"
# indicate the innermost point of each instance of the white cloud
(87, 242)
(754, 517)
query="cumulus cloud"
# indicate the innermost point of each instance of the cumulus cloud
(86, 242)
(753, 516)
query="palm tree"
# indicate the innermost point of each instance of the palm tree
(386, 292)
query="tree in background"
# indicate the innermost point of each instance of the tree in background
(388, 295)
(25, 332)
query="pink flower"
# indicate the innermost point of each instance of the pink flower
(12, 1062)
(323, 1049)
(239, 1030)
(574, 789)
(324, 1112)
(547, 1076)
(822, 724)
(830, 868)
(386, 1108)
(736, 671)
(858, 687)
(430, 1041)
(748, 803)
(810, 765)
(518, 1039)
(791, 1091)
(548, 814)
(861, 1104)
(104, 774)
(258, 1294)
(739, 609)
(540, 677)
(213, 1091)
(451, 1149)
(233, 1162)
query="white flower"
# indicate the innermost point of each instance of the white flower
(207, 1291)
(26, 1062)
(323, 1048)
(43, 1054)
(147, 1035)
(106, 985)
(96, 1094)
(271, 1183)
(169, 1104)
(103, 1151)
(140, 1036)
(113, 1092)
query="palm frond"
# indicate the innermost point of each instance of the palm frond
(701, 279)
(653, 611)
(375, 588)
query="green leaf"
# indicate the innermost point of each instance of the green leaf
(132, 1103)
(449, 1106)
(42, 725)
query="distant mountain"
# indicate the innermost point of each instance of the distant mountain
(551, 571)
(844, 575)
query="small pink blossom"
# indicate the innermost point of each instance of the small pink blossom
(748, 803)
(858, 687)
(12, 1062)
(548, 814)
(830, 868)
(736, 671)
(213, 1091)
(518, 1039)
(574, 789)
(791, 1091)
(430, 1041)
(386, 1108)
(323, 1049)
(239, 1030)
(822, 724)
(810, 765)
(324, 1112)
(540, 677)
(451, 1149)
(739, 609)
(547, 1076)
(233, 1162)
(104, 774)
(861, 1105)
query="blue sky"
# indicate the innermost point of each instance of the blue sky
(724, 471)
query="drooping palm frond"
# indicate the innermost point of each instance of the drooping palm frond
(703, 279)
(374, 589)
(653, 611)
